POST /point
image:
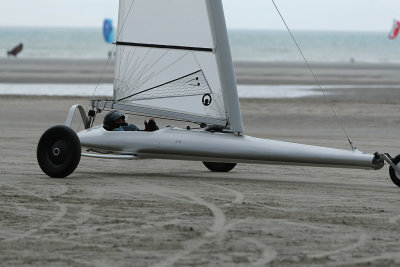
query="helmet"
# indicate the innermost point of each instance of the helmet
(109, 122)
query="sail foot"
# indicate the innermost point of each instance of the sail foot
(159, 113)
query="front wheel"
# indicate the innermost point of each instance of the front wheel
(59, 151)
(395, 176)
(219, 166)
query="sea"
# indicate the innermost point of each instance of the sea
(252, 45)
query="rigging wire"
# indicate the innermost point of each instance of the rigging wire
(315, 79)
(144, 78)
(117, 37)
(109, 58)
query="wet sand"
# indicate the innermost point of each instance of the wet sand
(177, 213)
(17, 70)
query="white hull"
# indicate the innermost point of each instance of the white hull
(198, 145)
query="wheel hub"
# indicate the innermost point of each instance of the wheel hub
(58, 152)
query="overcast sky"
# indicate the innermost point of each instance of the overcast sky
(350, 15)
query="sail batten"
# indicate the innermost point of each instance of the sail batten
(169, 58)
(204, 49)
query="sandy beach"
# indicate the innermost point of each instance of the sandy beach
(17, 70)
(177, 213)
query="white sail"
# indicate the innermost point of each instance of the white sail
(173, 60)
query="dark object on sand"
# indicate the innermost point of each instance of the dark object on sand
(16, 50)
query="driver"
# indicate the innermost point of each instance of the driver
(115, 121)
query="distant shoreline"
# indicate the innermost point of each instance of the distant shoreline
(81, 71)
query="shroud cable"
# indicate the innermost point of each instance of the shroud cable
(315, 78)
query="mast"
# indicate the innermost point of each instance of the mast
(225, 65)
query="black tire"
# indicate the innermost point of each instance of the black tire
(219, 166)
(59, 151)
(393, 175)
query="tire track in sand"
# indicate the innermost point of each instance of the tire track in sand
(62, 212)
(268, 254)
(361, 241)
(238, 195)
(189, 246)
(219, 216)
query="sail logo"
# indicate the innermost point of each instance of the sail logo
(206, 99)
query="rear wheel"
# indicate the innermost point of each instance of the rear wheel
(395, 176)
(219, 166)
(59, 151)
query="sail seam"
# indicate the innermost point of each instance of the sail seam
(201, 49)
